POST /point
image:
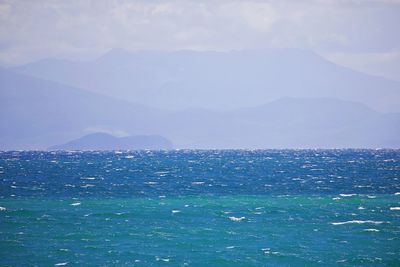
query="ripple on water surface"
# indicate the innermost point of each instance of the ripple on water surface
(236, 208)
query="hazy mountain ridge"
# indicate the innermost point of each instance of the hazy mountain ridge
(104, 141)
(218, 80)
(36, 114)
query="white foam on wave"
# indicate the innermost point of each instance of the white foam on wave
(371, 230)
(236, 219)
(394, 208)
(197, 183)
(397, 194)
(61, 264)
(87, 185)
(2, 209)
(269, 251)
(357, 222)
(75, 204)
(88, 178)
(162, 259)
(347, 195)
(175, 211)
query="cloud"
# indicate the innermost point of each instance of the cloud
(385, 64)
(31, 30)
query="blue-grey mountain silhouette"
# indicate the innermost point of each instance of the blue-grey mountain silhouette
(38, 113)
(218, 80)
(104, 141)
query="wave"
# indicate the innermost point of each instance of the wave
(357, 222)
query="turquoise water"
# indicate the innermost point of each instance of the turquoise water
(197, 208)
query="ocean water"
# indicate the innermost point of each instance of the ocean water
(200, 208)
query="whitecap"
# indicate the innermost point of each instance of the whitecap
(357, 222)
(236, 219)
(371, 230)
(347, 195)
(162, 259)
(88, 178)
(61, 264)
(87, 185)
(175, 211)
(2, 209)
(397, 194)
(197, 183)
(75, 204)
(394, 208)
(162, 172)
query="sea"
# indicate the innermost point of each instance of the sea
(200, 208)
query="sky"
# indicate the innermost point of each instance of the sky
(360, 34)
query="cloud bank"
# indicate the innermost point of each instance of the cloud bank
(31, 30)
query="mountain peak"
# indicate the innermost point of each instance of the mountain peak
(115, 54)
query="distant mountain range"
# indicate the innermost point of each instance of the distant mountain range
(38, 113)
(103, 141)
(218, 80)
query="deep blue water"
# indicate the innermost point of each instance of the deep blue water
(196, 208)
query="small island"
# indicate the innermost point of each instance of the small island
(105, 141)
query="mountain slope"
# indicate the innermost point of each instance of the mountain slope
(36, 114)
(289, 123)
(103, 141)
(218, 80)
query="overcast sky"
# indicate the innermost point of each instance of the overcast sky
(362, 34)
